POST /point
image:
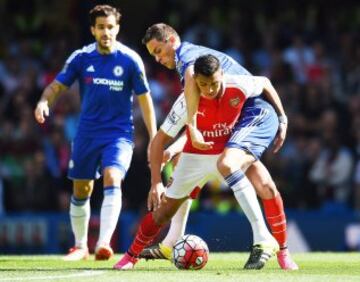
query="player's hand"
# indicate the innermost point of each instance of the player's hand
(154, 197)
(41, 111)
(197, 140)
(280, 137)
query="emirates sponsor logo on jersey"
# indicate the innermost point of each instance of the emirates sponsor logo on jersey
(114, 85)
(234, 102)
(219, 130)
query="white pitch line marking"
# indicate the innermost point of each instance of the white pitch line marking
(81, 274)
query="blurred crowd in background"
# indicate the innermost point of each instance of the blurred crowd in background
(310, 51)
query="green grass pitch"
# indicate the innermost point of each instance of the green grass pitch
(221, 267)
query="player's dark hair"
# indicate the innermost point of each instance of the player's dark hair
(103, 11)
(160, 32)
(206, 65)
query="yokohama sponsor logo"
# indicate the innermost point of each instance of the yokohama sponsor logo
(114, 85)
(109, 82)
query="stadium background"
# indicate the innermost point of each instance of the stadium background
(309, 49)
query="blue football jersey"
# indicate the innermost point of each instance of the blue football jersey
(187, 53)
(107, 84)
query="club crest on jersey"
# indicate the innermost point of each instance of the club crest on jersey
(118, 71)
(234, 102)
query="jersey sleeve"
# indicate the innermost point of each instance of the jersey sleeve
(70, 71)
(251, 85)
(139, 79)
(176, 119)
(185, 60)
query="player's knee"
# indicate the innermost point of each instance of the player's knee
(112, 177)
(82, 189)
(226, 165)
(223, 166)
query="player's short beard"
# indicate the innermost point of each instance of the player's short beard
(105, 48)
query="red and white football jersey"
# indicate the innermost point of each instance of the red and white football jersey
(217, 117)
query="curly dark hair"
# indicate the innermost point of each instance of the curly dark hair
(103, 11)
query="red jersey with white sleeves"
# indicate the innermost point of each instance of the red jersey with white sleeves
(217, 117)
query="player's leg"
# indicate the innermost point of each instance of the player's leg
(231, 164)
(191, 171)
(163, 250)
(116, 160)
(274, 210)
(149, 228)
(251, 136)
(82, 169)
(79, 218)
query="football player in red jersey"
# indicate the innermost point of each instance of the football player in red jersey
(222, 98)
(165, 45)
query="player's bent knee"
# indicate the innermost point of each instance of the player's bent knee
(83, 188)
(112, 176)
(226, 165)
(223, 165)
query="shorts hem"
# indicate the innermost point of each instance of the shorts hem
(237, 146)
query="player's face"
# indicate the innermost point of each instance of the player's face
(105, 31)
(163, 52)
(210, 86)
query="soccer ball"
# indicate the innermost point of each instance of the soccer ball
(190, 252)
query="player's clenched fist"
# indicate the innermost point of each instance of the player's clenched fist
(41, 111)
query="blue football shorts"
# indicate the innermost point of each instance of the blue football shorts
(90, 156)
(255, 130)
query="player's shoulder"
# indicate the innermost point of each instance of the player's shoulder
(237, 80)
(188, 51)
(128, 52)
(87, 49)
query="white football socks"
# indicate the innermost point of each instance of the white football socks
(79, 217)
(245, 195)
(178, 224)
(109, 214)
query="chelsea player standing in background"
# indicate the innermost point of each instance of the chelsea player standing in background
(108, 73)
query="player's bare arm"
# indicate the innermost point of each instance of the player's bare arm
(48, 97)
(157, 147)
(175, 148)
(273, 97)
(148, 113)
(192, 97)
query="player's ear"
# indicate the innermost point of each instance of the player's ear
(171, 39)
(92, 29)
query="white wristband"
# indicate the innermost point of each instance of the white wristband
(283, 119)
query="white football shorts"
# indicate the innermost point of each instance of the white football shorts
(192, 170)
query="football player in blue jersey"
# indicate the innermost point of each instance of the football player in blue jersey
(242, 152)
(108, 73)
